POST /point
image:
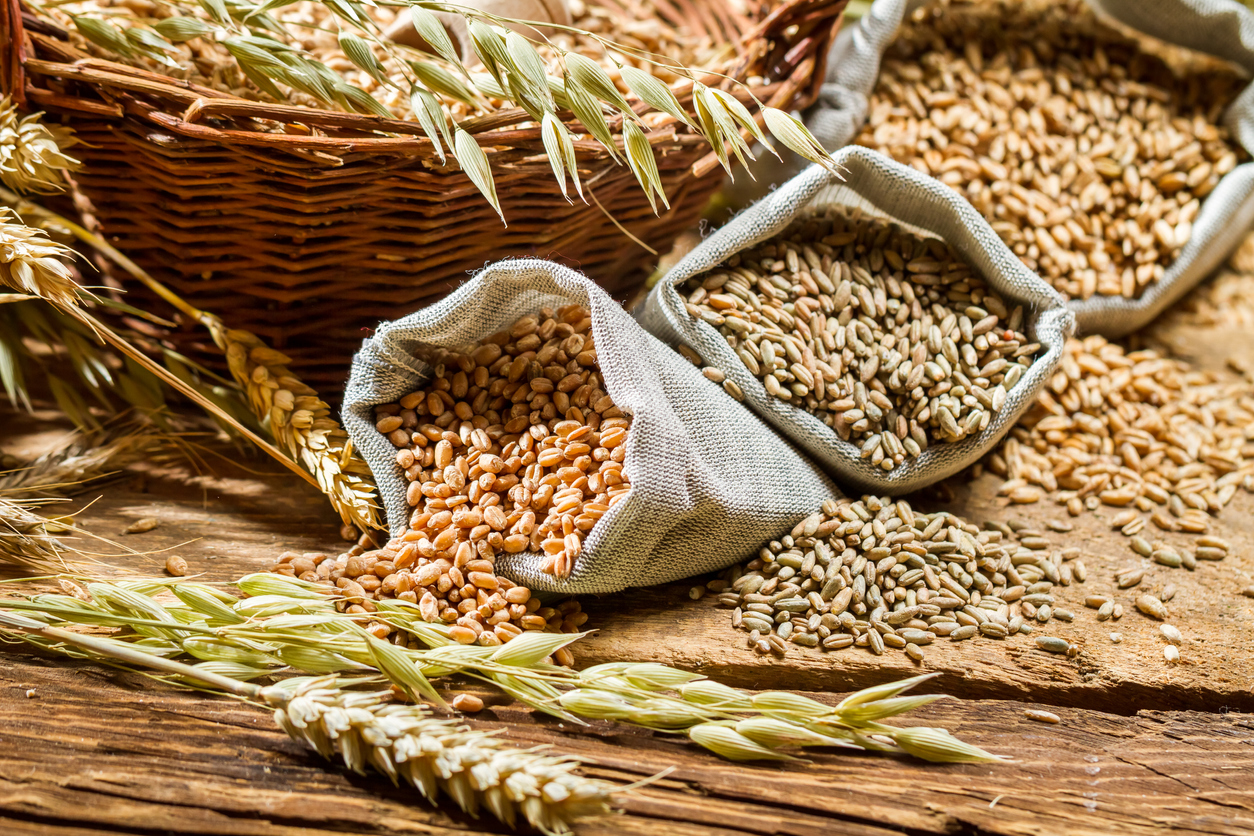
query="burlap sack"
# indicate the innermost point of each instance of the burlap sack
(1223, 28)
(710, 483)
(888, 189)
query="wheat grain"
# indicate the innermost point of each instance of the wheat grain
(1133, 429)
(34, 264)
(32, 157)
(1089, 156)
(513, 445)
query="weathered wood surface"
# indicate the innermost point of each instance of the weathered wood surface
(84, 751)
(1217, 657)
(1143, 746)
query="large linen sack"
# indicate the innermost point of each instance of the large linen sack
(1222, 28)
(878, 186)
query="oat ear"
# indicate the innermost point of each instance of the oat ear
(431, 30)
(643, 165)
(475, 163)
(789, 130)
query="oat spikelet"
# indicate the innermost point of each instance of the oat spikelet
(31, 262)
(475, 768)
(32, 158)
(25, 538)
(301, 423)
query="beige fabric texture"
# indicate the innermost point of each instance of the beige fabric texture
(710, 482)
(885, 188)
(1223, 28)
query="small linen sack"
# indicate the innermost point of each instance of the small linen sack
(1222, 28)
(880, 187)
(710, 482)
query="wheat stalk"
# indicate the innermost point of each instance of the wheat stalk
(39, 339)
(32, 157)
(45, 276)
(301, 423)
(33, 264)
(27, 538)
(83, 459)
(266, 53)
(318, 448)
(404, 742)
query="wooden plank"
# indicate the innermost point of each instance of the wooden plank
(95, 751)
(662, 624)
(1217, 657)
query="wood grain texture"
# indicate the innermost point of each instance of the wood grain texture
(1143, 746)
(92, 751)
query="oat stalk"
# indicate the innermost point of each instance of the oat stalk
(265, 51)
(404, 742)
(289, 623)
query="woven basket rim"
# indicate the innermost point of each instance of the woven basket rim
(797, 65)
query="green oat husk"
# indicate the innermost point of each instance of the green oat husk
(280, 615)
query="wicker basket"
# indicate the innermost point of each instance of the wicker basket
(316, 228)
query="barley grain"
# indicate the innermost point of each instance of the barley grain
(1151, 606)
(142, 526)
(1053, 644)
(1041, 716)
(888, 338)
(876, 573)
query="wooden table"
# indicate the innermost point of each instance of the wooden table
(1143, 746)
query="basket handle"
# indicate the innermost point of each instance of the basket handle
(12, 78)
